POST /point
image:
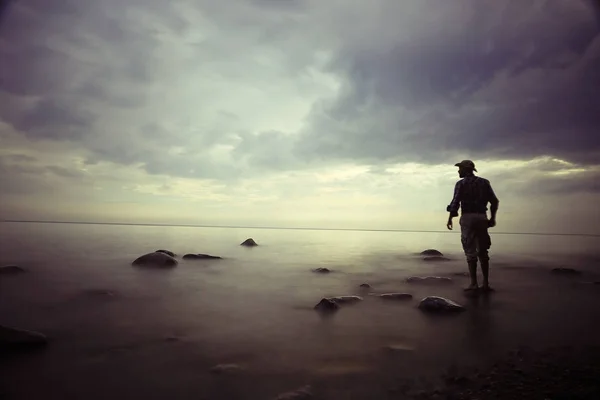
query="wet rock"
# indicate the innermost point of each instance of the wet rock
(200, 256)
(399, 348)
(365, 286)
(436, 304)
(99, 292)
(11, 269)
(300, 394)
(431, 253)
(327, 305)
(322, 270)
(225, 369)
(428, 279)
(435, 259)
(345, 299)
(249, 243)
(396, 296)
(167, 252)
(17, 339)
(156, 259)
(565, 271)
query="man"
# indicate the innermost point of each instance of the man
(471, 195)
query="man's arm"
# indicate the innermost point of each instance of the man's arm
(454, 205)
(494, 203)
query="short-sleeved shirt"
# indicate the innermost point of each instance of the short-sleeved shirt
(471, 195)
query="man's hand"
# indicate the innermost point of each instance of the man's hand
(449, 224)
(492, 222)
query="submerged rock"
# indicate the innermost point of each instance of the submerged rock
(14, 339)
(167, 252)
(365, 286)
(300, 394)
(225, 368)
(431, 252)
(435, 259)
(200, 257)
(11, 269)
(345, 299)
(399, 348)
(249, 243)
(99, 293)
(565, 271)
(156, 259)
(327, 305)
(322, 270)
(396, 296)
(428, 279)
(436, 304)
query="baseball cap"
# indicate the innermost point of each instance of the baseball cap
(466, 164)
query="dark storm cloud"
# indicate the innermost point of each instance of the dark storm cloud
(22, 174)
(519, 87)
(478, 79)
(52, 118)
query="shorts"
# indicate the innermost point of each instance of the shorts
(474, 236)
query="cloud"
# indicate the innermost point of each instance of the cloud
(180, 88)
(412, 81)
(258, 105)
(488, 79)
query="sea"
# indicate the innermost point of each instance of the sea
(119, 331)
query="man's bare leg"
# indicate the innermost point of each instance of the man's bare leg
(485, 271)
(473, 274)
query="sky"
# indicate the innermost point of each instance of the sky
(299, 113)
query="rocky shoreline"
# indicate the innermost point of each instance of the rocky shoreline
(554, 373)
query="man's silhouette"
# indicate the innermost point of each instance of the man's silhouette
(471, 195)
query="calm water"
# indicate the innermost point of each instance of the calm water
(254, 307)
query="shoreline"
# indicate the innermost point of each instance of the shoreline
(555, 372)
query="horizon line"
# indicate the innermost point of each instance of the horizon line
(285, 228)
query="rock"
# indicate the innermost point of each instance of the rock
(156, 259)
(249, 243)
(225, 368)
(435, 259)
(99, 292)
(565, 271)
(399, 348)
(300, 394)
(396, 296)
(431, 252)
(11, 269)
(327, 305)
(365, 286)
(428, 279)
(345, 299)
(438, 304)
(589, 282)
(13, 339)
(200, 257)
(322, 270)
(167, 252)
